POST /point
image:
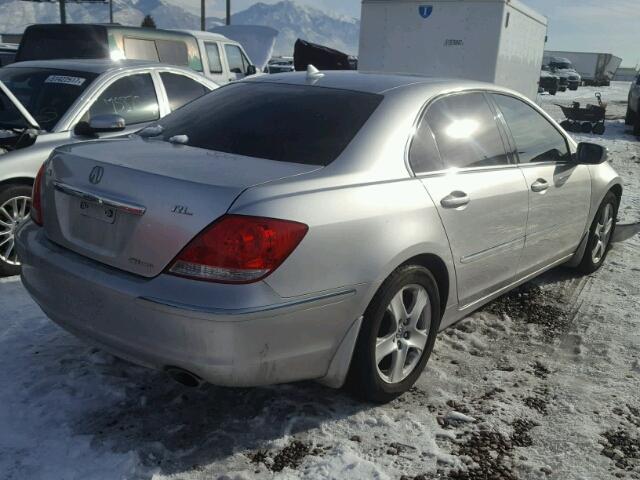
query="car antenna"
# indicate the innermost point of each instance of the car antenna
(313, 73)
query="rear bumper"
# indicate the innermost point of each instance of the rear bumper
(226, 334)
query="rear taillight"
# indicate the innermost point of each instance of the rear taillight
(239, 249)
(36, 197)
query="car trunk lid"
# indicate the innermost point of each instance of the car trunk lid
(134, 204)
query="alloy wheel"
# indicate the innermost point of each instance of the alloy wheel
(12, 213)
(403, 333)
(602, 233)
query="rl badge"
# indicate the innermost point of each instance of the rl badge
(425, 10)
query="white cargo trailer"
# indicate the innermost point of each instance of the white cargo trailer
(497, 41)
(595, 68)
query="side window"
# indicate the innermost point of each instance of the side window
(466, 132)
(234, 57)
(132, 97)
(423, 154)
(173, 52)
(213, 55)
(536, 139)
(137, 49)
(181, 90)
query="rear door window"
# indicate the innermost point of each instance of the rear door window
(535, 138)
(138, 49)
(466, 132)
(288, 123)
(181, 89)
(132, 97)
(213, 55)
(235, 59)
(173, 52)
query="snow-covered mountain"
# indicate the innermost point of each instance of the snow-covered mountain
(290, 18)
(297, 21)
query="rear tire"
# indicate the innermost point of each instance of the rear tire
(630, 117)
(599, 129)
(600, 233)
(586, 127)
(15, 203)
(397, 335)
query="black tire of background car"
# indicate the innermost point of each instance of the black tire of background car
(6, 193)
(586, 265)
(363, 380)
(566, 124)
(636, 124)
(630, 117)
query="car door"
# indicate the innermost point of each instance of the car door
(559, 189)
(133, 97)
(481, 196)
(215, 68)
(181, 89)
(237, 61)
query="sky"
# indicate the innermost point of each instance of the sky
(608, 26)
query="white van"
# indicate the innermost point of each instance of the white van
(223, 60)
(215, 56)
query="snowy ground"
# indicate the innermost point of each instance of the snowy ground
(542, 383)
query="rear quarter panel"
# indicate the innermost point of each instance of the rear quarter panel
(358, 234)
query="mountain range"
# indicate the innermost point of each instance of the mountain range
(291, 19)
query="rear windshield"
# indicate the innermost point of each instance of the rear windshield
(48, 42)
(45, 92)
(287, 123)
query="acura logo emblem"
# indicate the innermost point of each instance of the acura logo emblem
(96, 175)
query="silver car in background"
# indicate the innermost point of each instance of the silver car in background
(318, 226)
(45, 104)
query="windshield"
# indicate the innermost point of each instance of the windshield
(46, 93)
(287, 123)
(562, 65)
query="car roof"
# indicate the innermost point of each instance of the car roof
(205, 35)
(370, 82)
(98, 66)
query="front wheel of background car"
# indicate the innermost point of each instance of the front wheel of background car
(630, 117)
(15, 204)
(600, 235)
(398, 332)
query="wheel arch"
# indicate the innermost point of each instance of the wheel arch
(439, 270)
(26, 181)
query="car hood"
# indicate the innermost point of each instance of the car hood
(6, 93)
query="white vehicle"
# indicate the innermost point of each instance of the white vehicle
(597, 69)
(497, 41)
(215, 56)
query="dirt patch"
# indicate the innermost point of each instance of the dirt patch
(290, 456)
(521, 429)
(622, 448)
(490, 452)
(532, 305)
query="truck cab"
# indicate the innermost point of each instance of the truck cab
(563, 68)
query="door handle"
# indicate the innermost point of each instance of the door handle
(455, 200)
(540, 185)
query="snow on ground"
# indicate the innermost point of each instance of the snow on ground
(542, 383)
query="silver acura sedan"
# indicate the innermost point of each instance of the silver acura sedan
(45, 104)
(318, 226)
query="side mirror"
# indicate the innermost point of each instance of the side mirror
(590, 154)
(101, 124)
(251, 70)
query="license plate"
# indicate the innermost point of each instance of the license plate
(97, 211)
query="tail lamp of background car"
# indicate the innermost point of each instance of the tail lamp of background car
(239, 249)
(36, 197)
